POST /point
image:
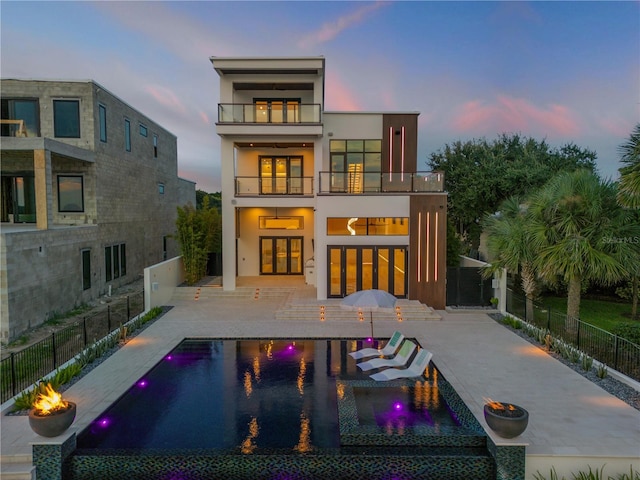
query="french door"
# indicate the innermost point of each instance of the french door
(354, 268)
(280, 175)
(281, 255)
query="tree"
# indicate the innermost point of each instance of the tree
(629, 187)
(214, 199)
(576, 227)
(479, 174)
(510, 246)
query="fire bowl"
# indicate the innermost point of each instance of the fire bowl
(54, 424)
(506, 424)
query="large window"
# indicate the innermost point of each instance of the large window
(86, 269)
(20, 117)
(277, 110)
(127, 135)
(367, 226)
(102, 114)
(281, 175)
(115, 261)
(66, 118)
(70, 193)
(356, 165)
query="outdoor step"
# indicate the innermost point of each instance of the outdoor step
(16, 470)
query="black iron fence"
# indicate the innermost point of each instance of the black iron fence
(612, 350)
(21, 369)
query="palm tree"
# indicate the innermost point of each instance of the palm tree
(577, 229)
(510, 247)
(629, 188)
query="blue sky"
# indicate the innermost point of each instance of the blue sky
(560, 71)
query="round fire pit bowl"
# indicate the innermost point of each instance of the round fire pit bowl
(507, 422)
(54, 424)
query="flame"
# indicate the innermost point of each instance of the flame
(49, 402)
(499, 405)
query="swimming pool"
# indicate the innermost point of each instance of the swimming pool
(291, 406)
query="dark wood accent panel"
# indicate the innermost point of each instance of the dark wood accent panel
(428, 249)
(392, 132)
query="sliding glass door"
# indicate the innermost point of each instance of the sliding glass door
(281, 255)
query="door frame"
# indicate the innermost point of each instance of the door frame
(274, 239)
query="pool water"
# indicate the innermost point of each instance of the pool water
(252, 396)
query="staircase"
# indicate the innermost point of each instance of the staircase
(330, 310)
(17, 467)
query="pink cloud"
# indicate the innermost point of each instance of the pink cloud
(166, 97)
(508, 114)
(331, 30)
(339, 96)
(204, 117)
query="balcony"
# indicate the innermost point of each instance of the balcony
(356, 182)
(261, 186)
(13, 128)
(250, 113)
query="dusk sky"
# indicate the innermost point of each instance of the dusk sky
(560, 71)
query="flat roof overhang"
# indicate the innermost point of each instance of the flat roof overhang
(268, 65)
(12, 144)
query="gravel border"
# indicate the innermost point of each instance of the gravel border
(615, 387)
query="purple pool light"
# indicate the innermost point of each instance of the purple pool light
(104, 422)
(397, 406)
(142, 383)
(169, 357)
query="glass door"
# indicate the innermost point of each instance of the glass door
(281, 255)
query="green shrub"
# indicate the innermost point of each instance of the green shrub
(587, 362)
(602, 371)
(628, 331)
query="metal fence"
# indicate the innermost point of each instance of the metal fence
(21, 369)
(612, 350)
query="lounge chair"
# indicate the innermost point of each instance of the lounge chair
(400, 359)
(388, 350)
(414, 370)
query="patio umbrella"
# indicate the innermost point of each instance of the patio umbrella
(370, 300)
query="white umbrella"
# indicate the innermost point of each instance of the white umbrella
(370, 300)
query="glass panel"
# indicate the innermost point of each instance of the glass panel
(293, 111)
(262, 111)
(338, 145)
(66, 118)
(102, 114)
(295, 176)
(351, 265)
(266, 175)
(354, 169)
(372, 162)
(383, 269)
(70, 194)
(86, 269)
(116, 261)
(295, 254)
(266, 255)
(399, 272)
(277, 111)
(335, 272)
(367, 268)
(373, 145)
(281, 255)
(281, 223)
(281, 175)
(355, 145)
(27, 110)
(143, 130)
(25, 201)
(107, 263)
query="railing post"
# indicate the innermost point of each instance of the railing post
(53, 348)
(615, 357)
(578, 334)
(108, 318)
(14, 380)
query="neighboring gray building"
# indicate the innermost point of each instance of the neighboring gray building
(89, 193)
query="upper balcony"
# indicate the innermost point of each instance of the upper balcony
(365, 183)
(269, 118)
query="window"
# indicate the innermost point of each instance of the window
(143, 130)
(66, 118)
(155, 146)
(281, 223)
(127, 135)
(164, 247)
(102, 115)
(277, 110)
(281, 175)
(115, 261)
(368, 226)
(161, 188)
(86, 269)
(70, 193)
(356, 165)
(21, 116)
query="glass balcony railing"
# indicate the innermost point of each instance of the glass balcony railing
(254, 186)
(376, 182)
(261, 114)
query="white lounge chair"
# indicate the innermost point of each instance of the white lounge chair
(414, 370)
(389, 349)
(399, 360)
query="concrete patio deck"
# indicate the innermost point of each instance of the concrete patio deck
(573, 423)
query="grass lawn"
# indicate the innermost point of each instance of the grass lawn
(605, 315)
